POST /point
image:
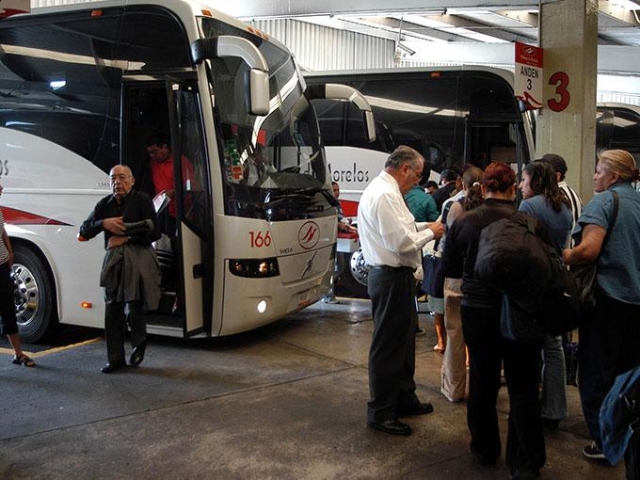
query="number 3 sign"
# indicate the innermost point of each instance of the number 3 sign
(562, 96)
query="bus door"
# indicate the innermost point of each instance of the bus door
(194, 219)
(499, 141)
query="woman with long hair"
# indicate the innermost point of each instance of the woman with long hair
(454, 362)
(544, 199)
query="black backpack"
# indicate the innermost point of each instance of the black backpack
(515, 256)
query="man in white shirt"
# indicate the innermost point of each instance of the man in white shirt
(391, 243)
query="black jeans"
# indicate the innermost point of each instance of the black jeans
(8, 322)
(115, 327)
(392, 356)
(608, 347)
(488, 351)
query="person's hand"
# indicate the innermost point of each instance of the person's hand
(116, 241)
(344, 228)
(114, 225)
(437, 228)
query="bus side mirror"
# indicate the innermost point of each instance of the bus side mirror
(345, 92)
(227, 46)
(259, 92)
(335, 91)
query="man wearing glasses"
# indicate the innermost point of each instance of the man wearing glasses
(130, 272)
(391, 244)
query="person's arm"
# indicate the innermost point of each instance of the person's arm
(452, 259)
(398, 229)
(454, 212)
(96, 223)
(146, 212)
(589, 247)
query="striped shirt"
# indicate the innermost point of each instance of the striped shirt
(4, 252)
(574, 199)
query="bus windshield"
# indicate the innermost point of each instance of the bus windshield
(273, 161)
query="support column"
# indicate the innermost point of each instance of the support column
(566, 123)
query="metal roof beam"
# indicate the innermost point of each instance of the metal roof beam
(297, 8)
(496, 31)
(405, 28)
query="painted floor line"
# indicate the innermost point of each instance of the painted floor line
(9, 351)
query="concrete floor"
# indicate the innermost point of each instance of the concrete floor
(285, 402)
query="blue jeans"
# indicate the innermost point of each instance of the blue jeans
(554, 379)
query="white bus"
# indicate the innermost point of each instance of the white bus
(82, 86)
(618, 126)
(452, 116)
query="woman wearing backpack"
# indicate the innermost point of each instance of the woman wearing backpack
(609, 336)
(544, 199)
(488, 349)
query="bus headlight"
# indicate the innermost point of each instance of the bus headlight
(255, 268)
(262, 306)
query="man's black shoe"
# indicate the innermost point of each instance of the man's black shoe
(392, 427)
(484, 459)
(524, 475)
(419, 409)
(550, 425)
(137, 355)
(113, 366)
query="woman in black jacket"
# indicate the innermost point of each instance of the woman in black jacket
(488, 349)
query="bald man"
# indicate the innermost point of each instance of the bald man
(130, 272)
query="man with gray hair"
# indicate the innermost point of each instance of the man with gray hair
(391, 244)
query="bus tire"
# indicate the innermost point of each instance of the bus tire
(34, 295)
(355, 275)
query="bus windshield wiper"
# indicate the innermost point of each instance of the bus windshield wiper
(310, 190)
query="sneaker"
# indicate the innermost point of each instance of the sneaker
(593, 451)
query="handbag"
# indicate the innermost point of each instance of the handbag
(586, 275)
(518, 324)
(433, 276)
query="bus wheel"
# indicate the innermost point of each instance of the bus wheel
(355, 278)
(33, 294)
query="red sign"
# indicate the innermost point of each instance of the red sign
(11, 7)
(528, 75)
(529, 55)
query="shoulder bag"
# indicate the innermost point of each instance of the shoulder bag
(585, 275)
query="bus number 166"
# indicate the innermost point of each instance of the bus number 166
(260, 239)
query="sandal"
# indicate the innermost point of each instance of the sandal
(23, 360)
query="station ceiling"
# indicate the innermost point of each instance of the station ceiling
(420, 25)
